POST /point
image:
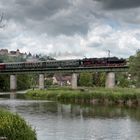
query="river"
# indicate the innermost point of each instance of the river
(56, 121)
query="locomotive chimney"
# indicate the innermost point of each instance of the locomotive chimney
(108, 53)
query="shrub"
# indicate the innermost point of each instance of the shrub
(102, 94)
(13, 127)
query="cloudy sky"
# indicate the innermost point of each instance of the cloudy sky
(71, 28)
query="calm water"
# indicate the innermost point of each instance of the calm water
(55, 121)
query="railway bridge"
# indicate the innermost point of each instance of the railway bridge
(110, 74)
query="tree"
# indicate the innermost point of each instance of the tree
(23, 81)
(86, 79)
(134, 63)
(99, 79)
(4, 83)
(122, 79)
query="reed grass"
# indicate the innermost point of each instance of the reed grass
(13, 127)
(87, 95)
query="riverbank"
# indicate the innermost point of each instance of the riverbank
(120, 96)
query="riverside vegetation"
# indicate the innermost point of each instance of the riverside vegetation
(13, 127)
(123, 96)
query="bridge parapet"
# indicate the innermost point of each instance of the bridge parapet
(67, 70)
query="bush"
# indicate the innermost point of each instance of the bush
(13, 127)
(67, 95)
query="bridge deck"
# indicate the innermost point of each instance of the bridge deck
(67, 70)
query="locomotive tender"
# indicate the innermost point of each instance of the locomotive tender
(86, 62)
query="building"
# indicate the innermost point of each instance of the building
(14, 53)
(62, 80)
(3, 52)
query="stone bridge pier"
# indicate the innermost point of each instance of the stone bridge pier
(74, 81)
(110, 80)
(41, 81)
(13, 82)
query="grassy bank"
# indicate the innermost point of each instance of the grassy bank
(13, 127)
(91, 95)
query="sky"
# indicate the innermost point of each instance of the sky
(69, 29)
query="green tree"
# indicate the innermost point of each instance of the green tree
(4, 82)
(134, 63)
(24, 81)
(122, 79)
(99, 79)
(86, 79)
(48, 82)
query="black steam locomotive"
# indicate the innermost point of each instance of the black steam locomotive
(86, 62)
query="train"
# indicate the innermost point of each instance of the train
(85, 62)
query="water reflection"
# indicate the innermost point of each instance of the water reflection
(13, 95)
(55, 121)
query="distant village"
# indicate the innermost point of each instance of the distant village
(26, 56)
(12, 53)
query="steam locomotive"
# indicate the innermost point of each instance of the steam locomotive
(86, 62)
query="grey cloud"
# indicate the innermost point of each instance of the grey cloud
(120, 4)
(66, 18)
(137, 36)
(52, 17)
(22, 10)
(41, 8)
(95, 45)
(68, 29)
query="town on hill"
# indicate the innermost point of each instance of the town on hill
(17, 56)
